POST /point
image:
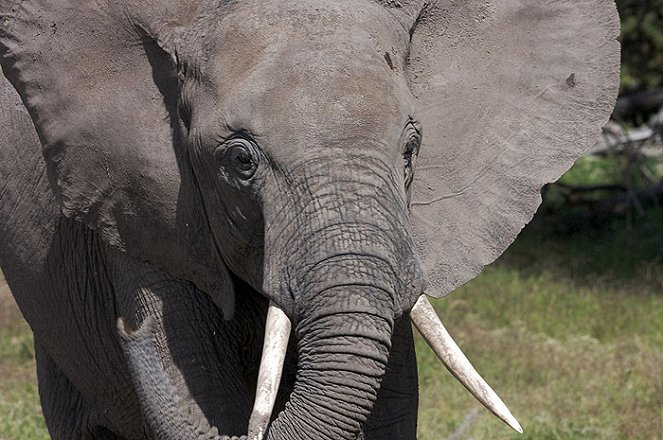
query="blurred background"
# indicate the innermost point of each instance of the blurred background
(567, 325)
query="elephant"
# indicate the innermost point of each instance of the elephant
(221, 218)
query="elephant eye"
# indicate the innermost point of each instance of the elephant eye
(410, 158)
(240, 157)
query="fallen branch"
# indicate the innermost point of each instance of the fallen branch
(591, 188)
(645, 198)
(646, 100)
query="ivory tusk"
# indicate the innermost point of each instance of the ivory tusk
(274, 347)
(431, 328)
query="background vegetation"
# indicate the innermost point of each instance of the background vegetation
(642, 44)
(567, 325)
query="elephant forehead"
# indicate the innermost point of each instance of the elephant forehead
(300, 78)
(292, 98)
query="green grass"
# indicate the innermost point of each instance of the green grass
(20, 412)
(567, 329)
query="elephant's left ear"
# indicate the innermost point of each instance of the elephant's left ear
(510, 93)
(102, 95)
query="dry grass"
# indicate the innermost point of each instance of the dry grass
(570, 386)
(569, 331)
(20, 412)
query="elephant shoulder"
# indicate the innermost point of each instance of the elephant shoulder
(28, 211)
(18, 132)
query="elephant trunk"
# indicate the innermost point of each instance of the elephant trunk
(342, 359)
(344, 338)
(162, 412)
(341, 262)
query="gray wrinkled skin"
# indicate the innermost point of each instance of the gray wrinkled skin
(180, 164)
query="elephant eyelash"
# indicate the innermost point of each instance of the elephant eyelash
(409, 156)
(411, 152)
(412, 147)
(184, 112)
(408, 175)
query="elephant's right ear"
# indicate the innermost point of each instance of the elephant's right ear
(103, 94)
(510, 93)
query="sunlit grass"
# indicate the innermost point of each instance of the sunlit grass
(572, 363)
(569, 330)
(20, 412)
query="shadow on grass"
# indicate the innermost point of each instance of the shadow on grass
(622, 252)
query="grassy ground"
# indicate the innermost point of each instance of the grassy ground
(20, 413)
(568, 330)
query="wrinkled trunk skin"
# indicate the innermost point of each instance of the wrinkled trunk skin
(344, 340)
(342, 358)
(341, 260)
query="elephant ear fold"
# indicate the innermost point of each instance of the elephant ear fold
(84, 74)
(102, 94)
(510, 93)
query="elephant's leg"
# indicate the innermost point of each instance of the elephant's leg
(68, 415)
(198, 348)
(394, 415)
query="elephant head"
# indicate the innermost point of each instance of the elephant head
(323, 152)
